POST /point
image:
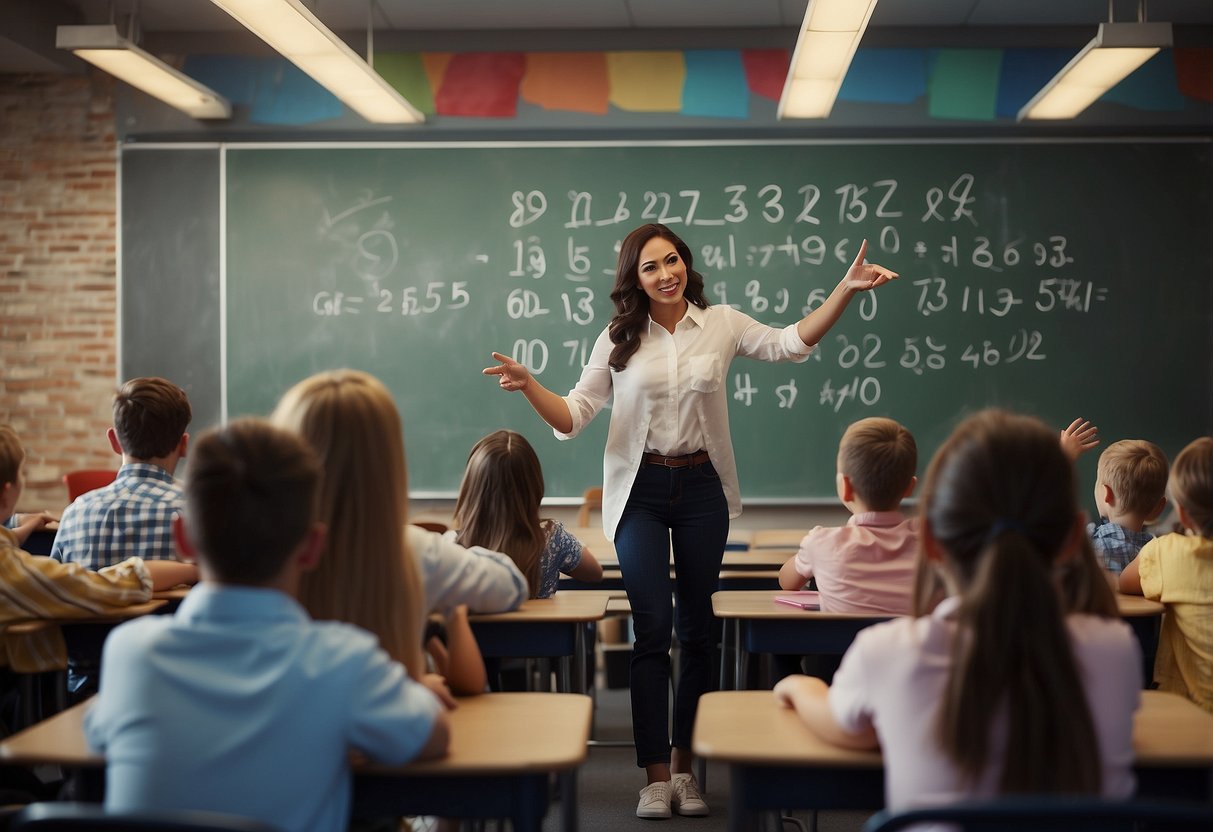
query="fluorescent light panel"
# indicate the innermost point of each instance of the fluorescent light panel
(1115, 52)
(103, 47)
(828, 39)
(301, 38)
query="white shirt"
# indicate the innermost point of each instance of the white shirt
(672, 397)
(486, 581)
(894, 675)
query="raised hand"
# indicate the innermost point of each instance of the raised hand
(510, 374)
(1080, 437)
(865, 276)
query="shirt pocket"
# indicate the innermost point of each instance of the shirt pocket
(705, 373)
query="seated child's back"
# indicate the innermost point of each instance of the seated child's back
(1130, 488)
(866, 566)
(133, 514)
(240, 703)
(1177, 569)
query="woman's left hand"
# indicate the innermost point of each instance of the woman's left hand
(862, 277)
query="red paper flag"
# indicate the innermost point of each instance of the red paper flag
(765, 71)
(483, 84)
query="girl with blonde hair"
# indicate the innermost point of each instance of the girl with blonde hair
(377, 571)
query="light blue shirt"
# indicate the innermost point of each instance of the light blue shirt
(241, 703)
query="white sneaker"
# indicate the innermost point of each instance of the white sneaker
(654, 801)
(686, 799)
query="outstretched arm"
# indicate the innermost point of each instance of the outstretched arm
(514, 376)
(861, 277)
(1080, 437)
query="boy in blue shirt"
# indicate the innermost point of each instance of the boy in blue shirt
(240, 703)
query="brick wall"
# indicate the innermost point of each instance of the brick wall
(58, 291)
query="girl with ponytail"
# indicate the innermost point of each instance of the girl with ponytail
(1015, 674)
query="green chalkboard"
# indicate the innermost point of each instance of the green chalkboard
(1064, 279)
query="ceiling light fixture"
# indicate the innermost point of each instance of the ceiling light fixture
(827, 42)
(103, 47)
(1116, 51)
(290, 28)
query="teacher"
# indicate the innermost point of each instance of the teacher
(668, 470)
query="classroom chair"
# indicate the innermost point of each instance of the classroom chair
(1050, 813)
(85, 480)
(590, 500)
(69, 816)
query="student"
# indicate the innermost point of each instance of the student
(669, 473)
(380, 572)
(1177, 569)
(498, 508)
(1130, 491)
(866, 566)
(41, 587)
(133, 514)
(1012, 683)
(239, 702)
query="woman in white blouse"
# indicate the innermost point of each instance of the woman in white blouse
(668, 471)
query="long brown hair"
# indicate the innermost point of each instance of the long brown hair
(498, 504)
(999, 501)
(631, 303)
(367, 575)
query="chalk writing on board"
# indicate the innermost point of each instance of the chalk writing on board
(747, 241)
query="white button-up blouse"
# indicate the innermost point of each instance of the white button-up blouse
(671, 394)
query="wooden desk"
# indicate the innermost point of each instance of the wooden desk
(544, 628)
(34, 625)
(777, 538)
(762, 626)
(776, 762)
(503, 748)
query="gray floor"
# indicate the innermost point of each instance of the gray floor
(609, 782)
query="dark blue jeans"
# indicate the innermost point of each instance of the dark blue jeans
(686, 506)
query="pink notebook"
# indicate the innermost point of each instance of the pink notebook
(805, 599)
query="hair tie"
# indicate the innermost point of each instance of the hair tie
(1003, 525)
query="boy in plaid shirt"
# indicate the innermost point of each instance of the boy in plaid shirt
(1130, 489)
(132, 516)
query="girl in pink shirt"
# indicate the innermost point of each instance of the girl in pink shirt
(1022, 679)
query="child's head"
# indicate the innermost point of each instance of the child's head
(1191, 486)
(1000, 516)
(878, 456)
(367, 575)
(250, 500)
(150, 417)
(1135, 472)
(498, 504)
(12, 462)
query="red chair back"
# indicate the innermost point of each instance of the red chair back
(85, 480)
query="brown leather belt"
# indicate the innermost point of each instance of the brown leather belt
(697, 458)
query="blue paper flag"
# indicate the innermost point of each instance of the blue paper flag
(886, 76)
(715, 85)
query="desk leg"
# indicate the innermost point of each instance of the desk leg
(568, 800)
(738, 670)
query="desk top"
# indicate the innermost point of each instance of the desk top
(35, 625)
(751, 727)
(495, 733)
(764, 558)
(579, 605)
(761, 604)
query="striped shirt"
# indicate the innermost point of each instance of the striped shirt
(130, 517)
(33, 587)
